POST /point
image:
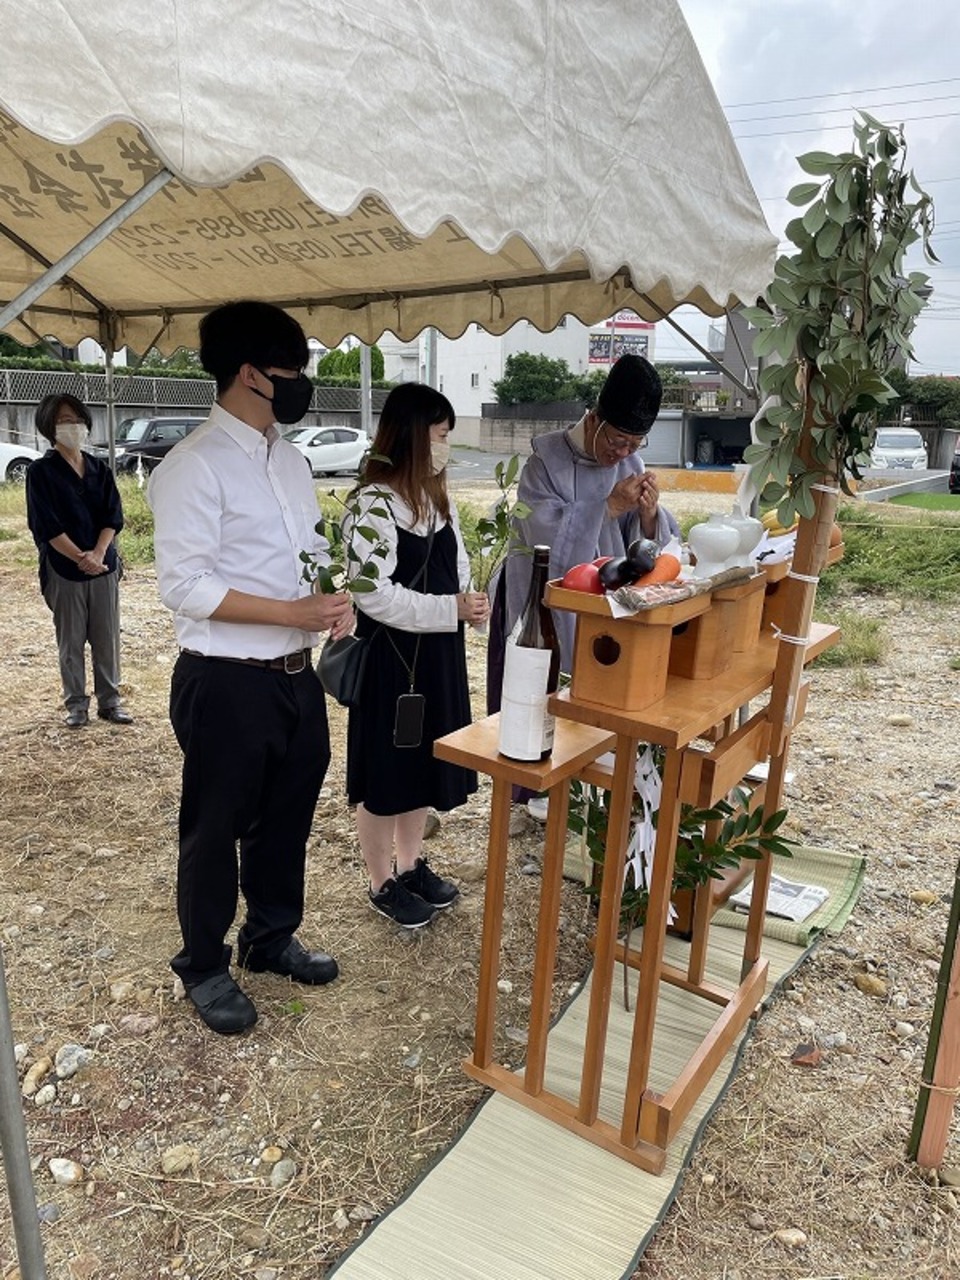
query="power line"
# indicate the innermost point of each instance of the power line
(852, 106)
(829, 128)
(844, 93)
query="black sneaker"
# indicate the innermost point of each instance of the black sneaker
(426, 884)
(397, 903)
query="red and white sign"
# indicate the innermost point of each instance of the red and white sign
(627, 320)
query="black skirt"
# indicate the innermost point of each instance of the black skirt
(386, 779)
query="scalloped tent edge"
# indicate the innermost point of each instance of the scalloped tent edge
(514, 161)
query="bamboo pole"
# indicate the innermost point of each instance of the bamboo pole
(941, 1064)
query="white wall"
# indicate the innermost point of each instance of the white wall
(468, 366)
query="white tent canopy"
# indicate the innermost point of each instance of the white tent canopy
(367, 164)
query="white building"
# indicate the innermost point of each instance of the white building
(468, 366)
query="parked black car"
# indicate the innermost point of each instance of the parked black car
(955, 473)
(143, 442)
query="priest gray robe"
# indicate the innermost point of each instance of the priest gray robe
(567, 490)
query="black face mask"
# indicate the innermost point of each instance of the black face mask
(291, 396)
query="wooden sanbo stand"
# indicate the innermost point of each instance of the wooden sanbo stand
(684, 711)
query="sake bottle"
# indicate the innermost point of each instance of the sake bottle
(531, 670)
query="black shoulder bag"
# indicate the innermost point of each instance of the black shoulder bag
(342, 662)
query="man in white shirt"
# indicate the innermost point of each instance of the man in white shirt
(234, 506)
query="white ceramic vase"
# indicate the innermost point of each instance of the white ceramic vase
(715, 543)
(751, 531)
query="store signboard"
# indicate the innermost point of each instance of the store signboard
(605, 348)
(627, 320)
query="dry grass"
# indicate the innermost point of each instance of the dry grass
(360, 1085)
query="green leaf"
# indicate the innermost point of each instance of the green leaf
(814, 218)
(828, 238)
(819, 162)
(803, 193)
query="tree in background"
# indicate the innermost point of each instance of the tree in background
(346, 364)
(534, 379)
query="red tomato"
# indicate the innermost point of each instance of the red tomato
(583, 577)
(602, 560)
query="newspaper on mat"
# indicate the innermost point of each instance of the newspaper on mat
(787, 898)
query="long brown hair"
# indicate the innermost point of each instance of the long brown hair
(400, 453)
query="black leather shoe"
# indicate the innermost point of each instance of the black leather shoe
(76, 719)
(222, 1005)
(116, 715)
(314, 968)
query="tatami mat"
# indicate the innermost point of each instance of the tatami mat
(517, 1197)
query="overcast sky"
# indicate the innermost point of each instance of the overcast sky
(788, 72)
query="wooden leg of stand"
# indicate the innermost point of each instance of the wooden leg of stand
(608, 921)
(762, 869)
(651, 954)
(545, 961)
(492, 922)
(702, 914)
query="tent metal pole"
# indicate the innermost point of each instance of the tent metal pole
(111, 406)
(366, 388)
(702, 349)
(13, 1148)
(79, 251)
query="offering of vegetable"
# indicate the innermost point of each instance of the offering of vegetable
(583, 577)
(667, 568)
(642, 554)
(617, 572)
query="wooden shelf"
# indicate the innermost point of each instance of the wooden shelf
(690, 706)
(476, 746)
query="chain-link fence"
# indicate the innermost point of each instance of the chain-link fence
(21, 390)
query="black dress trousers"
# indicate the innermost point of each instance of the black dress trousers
(255, 751)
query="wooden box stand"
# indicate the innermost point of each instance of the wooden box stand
(622, 662)
(650, 1118)
(746, 599)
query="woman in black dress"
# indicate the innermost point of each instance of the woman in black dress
(74, 513)
(415, 682)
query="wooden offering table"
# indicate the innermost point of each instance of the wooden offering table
(687, 710)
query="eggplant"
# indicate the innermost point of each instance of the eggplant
(616, 573)
(642, 554)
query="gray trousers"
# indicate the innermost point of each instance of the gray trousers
(87, 613)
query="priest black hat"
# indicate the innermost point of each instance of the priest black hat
(630, 398)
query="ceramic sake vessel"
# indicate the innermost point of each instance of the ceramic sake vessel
(716, 545)
(751, 531)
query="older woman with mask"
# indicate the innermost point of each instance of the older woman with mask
(74, 513)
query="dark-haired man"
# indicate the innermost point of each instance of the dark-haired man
(234, 506)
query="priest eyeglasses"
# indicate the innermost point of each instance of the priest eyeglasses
(622, 444)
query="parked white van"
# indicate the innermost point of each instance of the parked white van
(899, 448)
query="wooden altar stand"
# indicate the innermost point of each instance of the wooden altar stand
(683, 711)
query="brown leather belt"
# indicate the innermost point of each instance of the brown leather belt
(291, 663)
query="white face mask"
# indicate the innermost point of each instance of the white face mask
(439, 455)
(72, 435)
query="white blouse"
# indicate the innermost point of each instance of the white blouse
(392, 604)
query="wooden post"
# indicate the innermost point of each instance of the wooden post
(941, 1067)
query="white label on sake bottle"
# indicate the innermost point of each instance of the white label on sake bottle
(526, 727)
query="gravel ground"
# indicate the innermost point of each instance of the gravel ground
(161, 1150)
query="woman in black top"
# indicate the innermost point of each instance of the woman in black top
(74, 513)
(415, 680)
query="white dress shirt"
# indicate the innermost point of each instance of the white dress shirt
(390, 603)
(232, 511)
